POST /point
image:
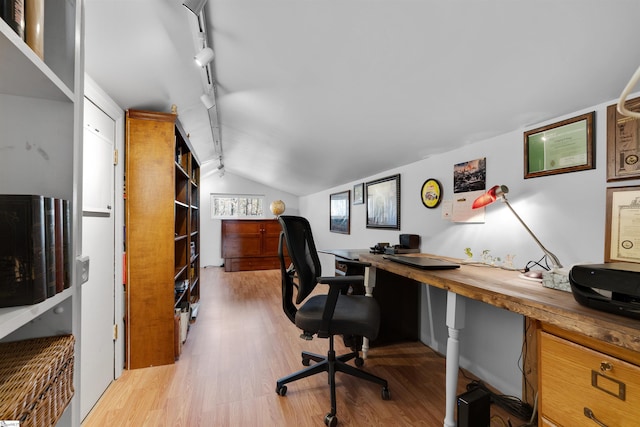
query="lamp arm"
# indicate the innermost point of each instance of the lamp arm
(554, 259)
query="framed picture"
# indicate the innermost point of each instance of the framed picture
(431, 193)
(383, 203)
(622, 234)
(470, 175)
(339, 210)
(566, 146)
(623, 142)
(358, 194)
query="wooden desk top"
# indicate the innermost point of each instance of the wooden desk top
(504, 289)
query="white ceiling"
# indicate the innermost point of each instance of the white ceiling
(312, 94)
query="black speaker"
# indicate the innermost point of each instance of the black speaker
(411, 241)
(474, 409)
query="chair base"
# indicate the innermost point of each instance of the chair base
(332, 364)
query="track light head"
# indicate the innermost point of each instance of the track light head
(207, 100)
(204, 57)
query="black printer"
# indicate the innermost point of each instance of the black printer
(613, 287)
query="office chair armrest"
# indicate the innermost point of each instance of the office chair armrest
(341, 281)
(337, 285)
(354, 268)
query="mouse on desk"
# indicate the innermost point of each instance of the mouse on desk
(532, 275)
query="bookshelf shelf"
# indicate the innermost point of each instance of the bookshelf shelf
(24, 73)
(12, 318)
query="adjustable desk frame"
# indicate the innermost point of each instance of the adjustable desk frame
(504, 289)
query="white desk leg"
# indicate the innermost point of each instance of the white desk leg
(455, 322)
(369, 284)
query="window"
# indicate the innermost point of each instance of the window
(237, 206)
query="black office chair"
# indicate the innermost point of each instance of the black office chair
(326, 315)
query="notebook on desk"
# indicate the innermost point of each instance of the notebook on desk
(424, 263)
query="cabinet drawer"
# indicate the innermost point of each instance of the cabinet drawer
(247, 264)
(574, 377)
(246, 245)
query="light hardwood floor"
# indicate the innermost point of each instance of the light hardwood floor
(241, 343)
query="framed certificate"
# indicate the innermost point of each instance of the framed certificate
(623, 143)
(622, 232)
(566, 146)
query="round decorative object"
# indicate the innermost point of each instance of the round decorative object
(631, 159)
(277, 207)
(431, 193)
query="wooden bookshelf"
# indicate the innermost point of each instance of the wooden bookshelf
(161, 228)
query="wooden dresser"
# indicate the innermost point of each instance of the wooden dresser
(250, 244)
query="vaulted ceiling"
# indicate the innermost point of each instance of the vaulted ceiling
(315, 93)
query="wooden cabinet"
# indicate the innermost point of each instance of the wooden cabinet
(250, 244)
(162, 234)
(41, 123)
(584, 380)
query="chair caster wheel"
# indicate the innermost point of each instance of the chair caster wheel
(281, 390)
(359, 362)
(330, 420)
(386, 394)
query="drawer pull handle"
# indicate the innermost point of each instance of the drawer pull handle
(589, 414)
(606, 366)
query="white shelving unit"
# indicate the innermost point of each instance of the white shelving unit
(41, 153)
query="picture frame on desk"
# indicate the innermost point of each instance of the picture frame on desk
(383, 203)
(623, 140)
(561, 147)
(339, 212)
(622, 236)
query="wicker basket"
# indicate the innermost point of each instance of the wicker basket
(36, 380)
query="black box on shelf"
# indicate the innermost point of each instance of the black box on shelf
(23, 278)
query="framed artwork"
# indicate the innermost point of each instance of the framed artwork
(358, 194)
(623, 143)
(383, 203)
(622, 234)
(431, 193)
(566, 146)
(470, 175)
(339, 212)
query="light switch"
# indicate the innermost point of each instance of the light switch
(83, 269)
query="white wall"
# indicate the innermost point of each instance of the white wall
(566, 212)
(210, 183)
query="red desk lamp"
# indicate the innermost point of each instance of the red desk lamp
(500, 192)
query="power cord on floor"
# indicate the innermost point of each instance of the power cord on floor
(512, 404)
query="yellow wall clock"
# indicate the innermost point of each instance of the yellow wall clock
(431, 193)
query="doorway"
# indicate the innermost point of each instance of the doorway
(101, 348)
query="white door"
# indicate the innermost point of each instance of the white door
(98, 241)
